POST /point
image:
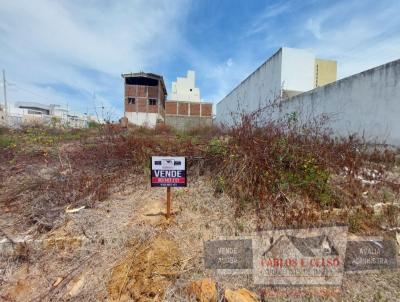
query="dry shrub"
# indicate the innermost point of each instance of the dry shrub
(288, 171)
(205, 131)
(162, 128)
(86, 172)
(284, 168)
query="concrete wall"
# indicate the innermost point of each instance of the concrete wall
(143, 118)
(262, 86)
(366, 103)
(187, 122)
(187, 115)
(17, 120)
(288, 72)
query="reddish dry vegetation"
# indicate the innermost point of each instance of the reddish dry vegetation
(291, 173)
(296, 174)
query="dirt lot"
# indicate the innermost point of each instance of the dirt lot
(125, 250)
(114, 243)
(122, 249)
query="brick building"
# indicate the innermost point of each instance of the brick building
(184, 115)
(144, 98)
(185, 109)
(145, 102)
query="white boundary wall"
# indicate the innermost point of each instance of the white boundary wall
(261, 86)
(367, 103)
(289, 69)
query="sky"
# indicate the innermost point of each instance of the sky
(73, 52)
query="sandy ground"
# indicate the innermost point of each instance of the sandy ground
(124, 249)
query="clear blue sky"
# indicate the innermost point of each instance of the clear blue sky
(75, 51)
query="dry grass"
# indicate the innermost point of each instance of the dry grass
(146, 272)
(290, 173)
(297, 174)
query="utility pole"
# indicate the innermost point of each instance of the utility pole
(102, 111)
(5, 94)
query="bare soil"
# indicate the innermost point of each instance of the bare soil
(124, 249)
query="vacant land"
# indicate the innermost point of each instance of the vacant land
(79, 220)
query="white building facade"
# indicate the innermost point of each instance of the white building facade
(26, 113)
(184, 89)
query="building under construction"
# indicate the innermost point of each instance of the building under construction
(145, 101)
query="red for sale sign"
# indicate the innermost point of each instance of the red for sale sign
(168, 171)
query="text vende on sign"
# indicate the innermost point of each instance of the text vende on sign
(168, 171)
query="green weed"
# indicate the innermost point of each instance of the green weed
(6, 142)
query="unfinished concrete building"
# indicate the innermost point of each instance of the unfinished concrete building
(145, 102)
(144, 98)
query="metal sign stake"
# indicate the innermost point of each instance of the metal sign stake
(168, 202)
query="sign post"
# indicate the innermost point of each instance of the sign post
(168, 202)
(168, 171)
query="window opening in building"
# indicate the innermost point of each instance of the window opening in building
(152, 102)
(131, 101)
(141, 81)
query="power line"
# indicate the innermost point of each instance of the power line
(33, 93)
(36, 94)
